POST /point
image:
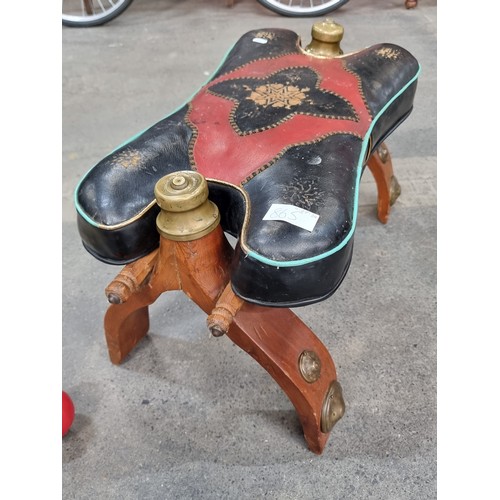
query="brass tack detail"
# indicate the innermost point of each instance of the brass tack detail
(310, 366)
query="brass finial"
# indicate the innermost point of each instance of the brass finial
(326, 38)
(187, 214)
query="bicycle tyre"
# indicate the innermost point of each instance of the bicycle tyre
(106, 14)
(297, 9)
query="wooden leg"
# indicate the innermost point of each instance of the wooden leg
(388, 187)
(275, 337)
(200, 268)
(136, 287)
(124, 326)
(410, 4)
(298, 361)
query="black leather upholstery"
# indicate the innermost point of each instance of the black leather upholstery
(273, 126)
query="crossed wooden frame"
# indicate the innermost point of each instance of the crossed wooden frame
(275, 337)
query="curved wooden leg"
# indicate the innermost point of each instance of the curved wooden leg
(199, 268)
(276, 338)
(137, 286)
(388, 187)
(124, 326)
(298, 361)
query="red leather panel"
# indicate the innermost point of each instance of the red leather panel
(219, 152)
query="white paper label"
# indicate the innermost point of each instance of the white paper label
(259, 40)
(293, 215)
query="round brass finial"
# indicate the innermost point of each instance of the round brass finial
(327, 31)
(187, 214)
(181, 191)
(326, 38)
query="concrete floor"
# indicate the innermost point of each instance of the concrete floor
(190, 416)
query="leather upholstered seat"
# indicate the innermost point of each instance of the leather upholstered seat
(273, 126)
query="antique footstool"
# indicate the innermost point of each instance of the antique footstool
(270, 151)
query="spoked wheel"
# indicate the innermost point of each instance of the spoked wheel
(86, 13)
(302, 8)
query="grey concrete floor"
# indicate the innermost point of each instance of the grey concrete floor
(190, 416)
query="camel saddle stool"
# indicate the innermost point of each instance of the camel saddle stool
(271, 152)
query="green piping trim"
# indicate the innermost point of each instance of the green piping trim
(302, 262)
(77, 205)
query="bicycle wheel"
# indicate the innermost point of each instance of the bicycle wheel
(302, 8)
(87, 13)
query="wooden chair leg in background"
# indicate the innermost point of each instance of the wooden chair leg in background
(380, 165)
(275, 337)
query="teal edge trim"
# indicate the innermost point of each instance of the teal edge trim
(77, 205)
(301, 262)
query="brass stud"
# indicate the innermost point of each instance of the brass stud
(383, 153)
(113, 298)
(217, 332)
(394, 190)
(333, 407)
(310, 366)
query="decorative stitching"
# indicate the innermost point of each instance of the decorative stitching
(248, 63)
(192, 140)
(360, 87)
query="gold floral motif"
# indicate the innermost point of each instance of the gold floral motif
(129, 159)
(277, 95)
(265, 34)
(388, 53)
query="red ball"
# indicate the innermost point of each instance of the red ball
(68, 413)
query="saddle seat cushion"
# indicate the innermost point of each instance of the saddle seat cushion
(282, 138)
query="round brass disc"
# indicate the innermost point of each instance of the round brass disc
(310, 366)
(333, 407)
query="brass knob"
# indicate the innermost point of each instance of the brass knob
(186, 212)
(326, 38)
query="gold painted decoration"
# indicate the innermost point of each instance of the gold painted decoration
(267, 35)
(264, 103)
(388, 53)
(129, 159)
(277, 95)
